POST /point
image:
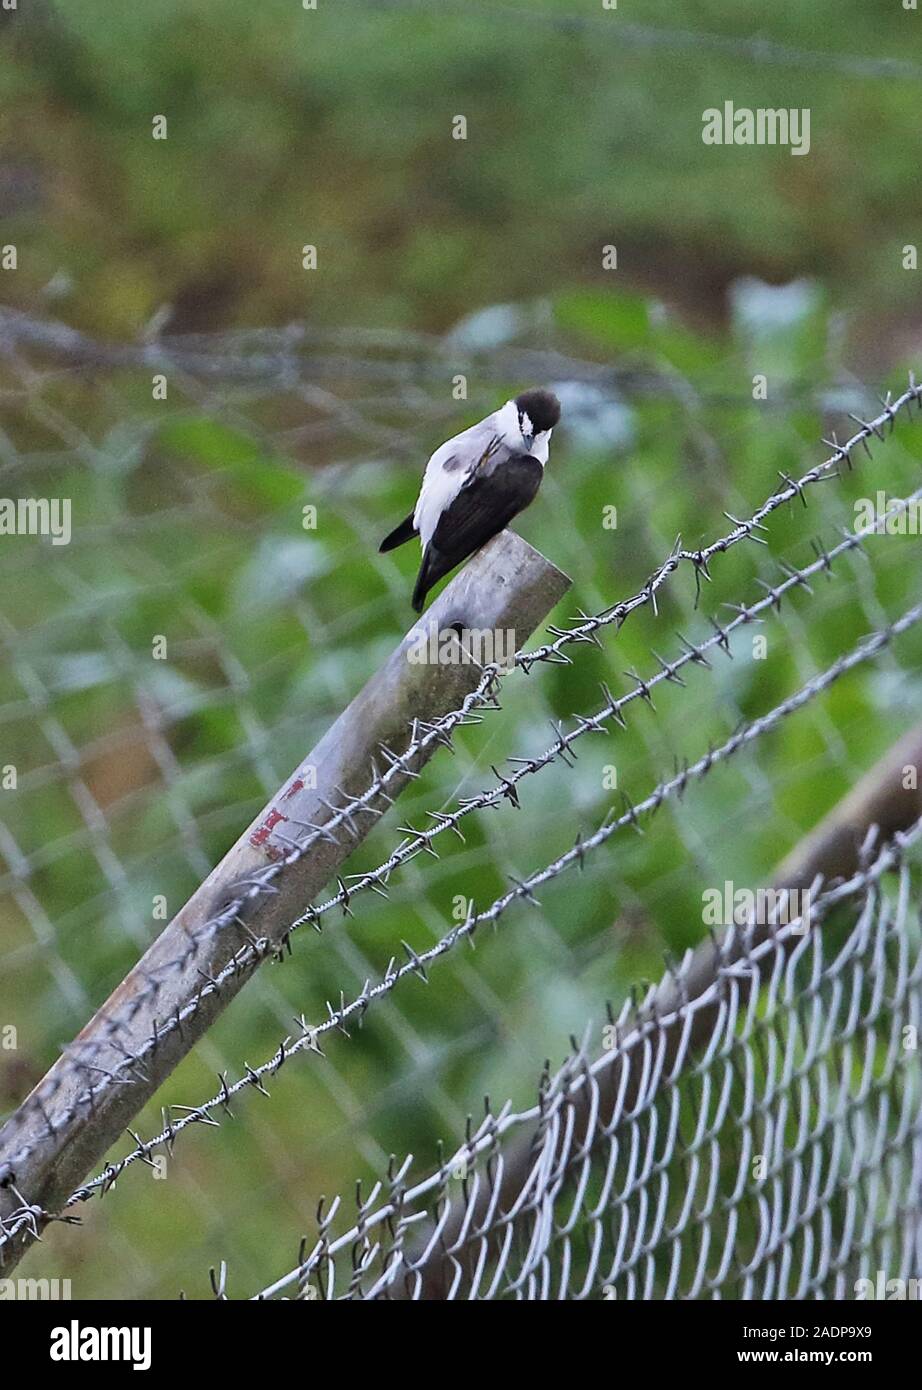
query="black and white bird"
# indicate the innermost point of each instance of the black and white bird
(476, 483)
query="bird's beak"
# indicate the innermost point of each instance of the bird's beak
(528, 440)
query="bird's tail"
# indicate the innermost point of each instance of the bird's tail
(404, 532)
(430, 572)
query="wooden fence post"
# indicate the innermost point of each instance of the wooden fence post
(172, 996)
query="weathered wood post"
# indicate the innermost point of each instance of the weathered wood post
(242, 912)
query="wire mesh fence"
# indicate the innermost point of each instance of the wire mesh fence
(782, 1162)
(128, 776)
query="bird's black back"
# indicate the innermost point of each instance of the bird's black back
(480, 511)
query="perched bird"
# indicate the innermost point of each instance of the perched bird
(476, 483)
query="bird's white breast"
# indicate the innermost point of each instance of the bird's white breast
(453, 462)
(448, 470)
(440, 487)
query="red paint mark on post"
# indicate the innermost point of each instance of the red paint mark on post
(262, 833)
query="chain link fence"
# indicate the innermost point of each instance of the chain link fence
(783, 1161)
(778, 1156)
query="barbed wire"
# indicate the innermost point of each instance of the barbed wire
(418, 962)
(742, 530)
(299, 357)
(83, 1061)
(628, 34)
(422, 736)
(612, 709)
(368, 391)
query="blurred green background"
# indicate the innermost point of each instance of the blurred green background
(436, 258)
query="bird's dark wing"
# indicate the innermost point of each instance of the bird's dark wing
(484, 506)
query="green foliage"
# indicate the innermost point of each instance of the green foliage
(290, 127)
(333, 127)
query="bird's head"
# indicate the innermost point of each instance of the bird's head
(538, 413)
